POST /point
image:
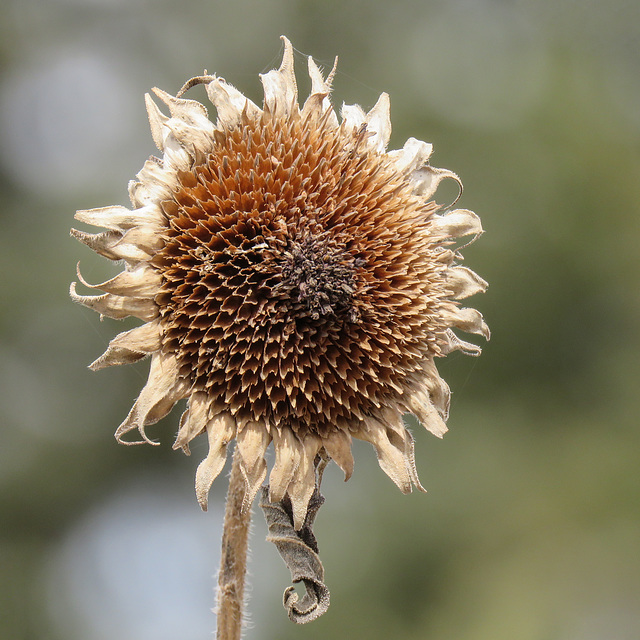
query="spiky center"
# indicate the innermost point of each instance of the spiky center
(300, 283)
(321, 274)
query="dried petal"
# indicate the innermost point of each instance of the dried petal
(379, 123)
(457, 223)
(157, 122)
(130, 346)
(220, 432)
(193, 421)
(230, 103)
(427, 414)
(288, 452)
(252, 441)
(464, 282)
(338, 446)
(304, 481)
(466, 319)
(391, 452)
(141, 282)
(116, 307)
(163, 389)
(280, 87)
(120, 218)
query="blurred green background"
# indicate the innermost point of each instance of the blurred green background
(531, 527)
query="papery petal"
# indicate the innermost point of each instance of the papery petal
(252, 442)
(390, 450)
(466, 319)
(230, 103)
(464, 282)
(157, 122)
(140, 282)
(220, 431)
(412, 156)
(280, 87)
(193, 421)
(353, 117)
(457, 224)
(117, 307)
(427, 180)
(338, 446)
(130, 346)
(163, 389)
(120, 218)
(421, 406)
(304, 482)
(379, 123)
(287, 457)
(318, 102)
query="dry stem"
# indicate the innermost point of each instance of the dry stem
(233, 560)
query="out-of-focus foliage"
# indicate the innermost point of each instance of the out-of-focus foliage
(531, 525)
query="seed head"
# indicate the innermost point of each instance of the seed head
(296, 280)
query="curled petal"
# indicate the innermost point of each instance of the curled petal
(280, 88)
(304, 482)
(379, 123)
(120, 218)
(466, 319)
(287, 457)
(252, 442)
(163, 389)
(338, 446)
(220, 431)
(230, 103)
(318, 101)
(391, 453)
(427, 179)
(130, 346)
(457, 224)
(438, 389)
(141, 282)
(299, 550)
(101, 243)
(190, 111)
(353, 117)
(136, 245)
(157, 122)
(421, 406)
(464, 282)
(456, 344)
(413, 155)
(116, 307)
(193, 420)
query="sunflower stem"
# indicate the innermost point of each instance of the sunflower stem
(233, 559)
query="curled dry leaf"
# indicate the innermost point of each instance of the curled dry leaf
(299, 550)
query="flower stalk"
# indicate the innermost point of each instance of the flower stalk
(233, 559)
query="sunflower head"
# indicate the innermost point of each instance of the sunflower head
(296, 281)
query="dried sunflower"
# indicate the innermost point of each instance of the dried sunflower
(297, 282)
